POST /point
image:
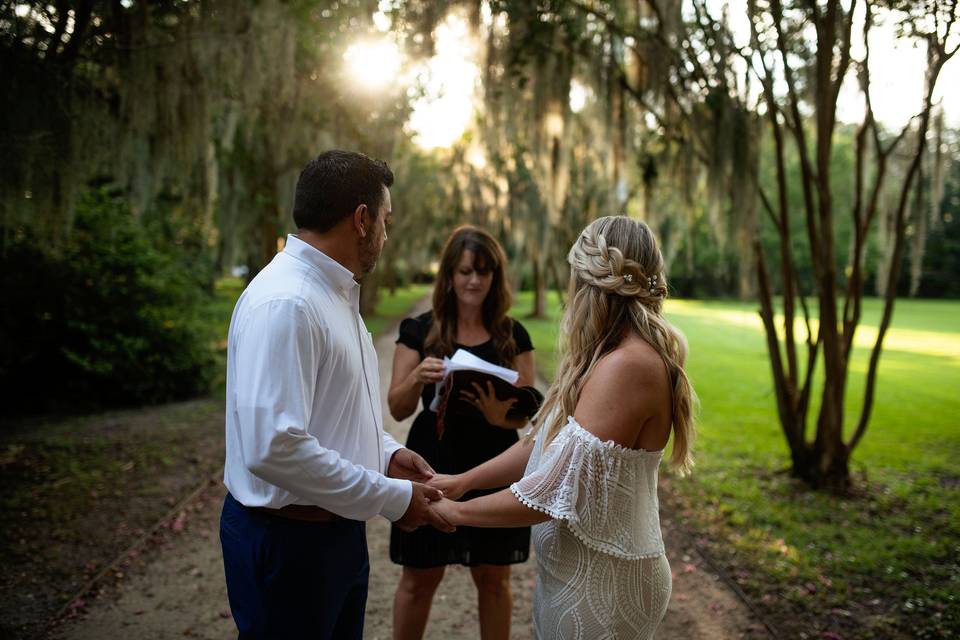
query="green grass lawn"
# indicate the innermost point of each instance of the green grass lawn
(543, 331)
(392, 307)
(885, 563)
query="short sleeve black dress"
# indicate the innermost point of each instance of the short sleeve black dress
(465, 444)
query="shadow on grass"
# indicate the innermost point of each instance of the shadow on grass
(882, 563)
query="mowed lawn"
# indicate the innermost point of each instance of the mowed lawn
(884, 563)
(392, 307)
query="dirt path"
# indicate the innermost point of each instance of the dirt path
(174, 586)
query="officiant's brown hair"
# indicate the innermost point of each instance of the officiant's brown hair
(488, 256)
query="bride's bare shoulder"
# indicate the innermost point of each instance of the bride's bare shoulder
(634, 360)
(623, 392)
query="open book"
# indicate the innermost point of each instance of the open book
(462, 371)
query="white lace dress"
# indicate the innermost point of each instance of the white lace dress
(602, 572)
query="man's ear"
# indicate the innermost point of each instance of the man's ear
(361, 220)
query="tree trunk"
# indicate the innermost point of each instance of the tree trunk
(539, 288)
(369, 293)
(885, 247)
(746, 278)
(266, 243)
(918, 244)
(823, 468)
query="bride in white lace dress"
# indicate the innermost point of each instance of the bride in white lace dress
(586, 476)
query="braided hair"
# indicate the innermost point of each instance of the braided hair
(617, 285)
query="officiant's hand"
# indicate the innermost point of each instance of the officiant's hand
(429, 371)
(494, 411)
(453, 486)
(409, 465)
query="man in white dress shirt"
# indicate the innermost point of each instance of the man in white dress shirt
(307, 459)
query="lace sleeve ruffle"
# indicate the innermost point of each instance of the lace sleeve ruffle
(605, 493)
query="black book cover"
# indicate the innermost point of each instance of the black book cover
(453, 406)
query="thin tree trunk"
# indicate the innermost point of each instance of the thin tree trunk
(918, 242)
(539, 288)
(785, 405)
(369, 293)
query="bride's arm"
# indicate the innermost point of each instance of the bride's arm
(616, 403)
(500, 509)
(499, 471)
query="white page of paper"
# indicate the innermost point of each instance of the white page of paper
(463, 360)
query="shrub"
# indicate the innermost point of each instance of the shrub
(110, 318)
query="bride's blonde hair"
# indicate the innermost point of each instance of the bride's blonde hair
(617, 286)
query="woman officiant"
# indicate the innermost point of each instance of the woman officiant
(470, 302)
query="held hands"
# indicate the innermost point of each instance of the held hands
(449, 511)
(409, 465)
(429, 371)
(452, 486)
(494, 411)
(423, 510)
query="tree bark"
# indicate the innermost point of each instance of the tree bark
(539, 287)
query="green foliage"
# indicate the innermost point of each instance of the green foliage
(543, 331)
(424, 212)
(704, 268)
(941, 277)
(842, 181)
(111, 319)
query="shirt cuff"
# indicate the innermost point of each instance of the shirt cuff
(399, 493)
(390, 447)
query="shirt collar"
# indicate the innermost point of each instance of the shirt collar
(333, 271)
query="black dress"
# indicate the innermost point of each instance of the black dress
(465, 444)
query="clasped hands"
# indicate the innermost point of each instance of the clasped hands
(427, 504)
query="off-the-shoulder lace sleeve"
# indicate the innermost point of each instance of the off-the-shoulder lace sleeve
(605, 493)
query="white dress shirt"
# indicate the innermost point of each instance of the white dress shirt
(304, 416)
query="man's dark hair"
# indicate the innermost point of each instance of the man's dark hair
(334, 184)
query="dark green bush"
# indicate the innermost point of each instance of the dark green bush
(111, 318)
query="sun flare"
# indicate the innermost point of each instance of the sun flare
(449, 81)
(373, 64)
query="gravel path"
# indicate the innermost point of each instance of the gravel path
(174, 588)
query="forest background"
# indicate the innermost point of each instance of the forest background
(785, 162)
